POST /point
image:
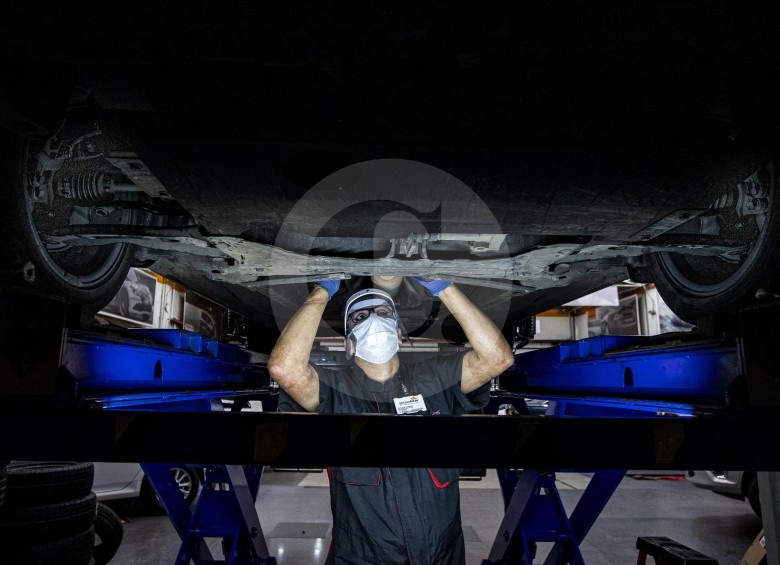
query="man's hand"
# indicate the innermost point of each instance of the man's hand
(331, 287)
(434, 287)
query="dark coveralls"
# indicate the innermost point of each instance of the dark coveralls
(396, 515)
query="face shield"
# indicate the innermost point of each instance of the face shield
(371, 323)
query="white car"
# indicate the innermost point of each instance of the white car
(734, 484)
(116, 481)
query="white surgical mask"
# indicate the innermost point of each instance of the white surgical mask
(376, 339)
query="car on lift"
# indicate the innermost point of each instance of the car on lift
(532, 156)
(733, 484)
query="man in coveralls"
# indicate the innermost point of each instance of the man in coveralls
(398, 515)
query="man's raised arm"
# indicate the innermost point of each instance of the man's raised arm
(490, 354)
(289, 361)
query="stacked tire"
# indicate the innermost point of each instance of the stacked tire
(109, 532)
(48, 514)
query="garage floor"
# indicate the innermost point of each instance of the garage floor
(295, 514)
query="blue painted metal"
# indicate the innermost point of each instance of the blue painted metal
(514, 550)
(628, 367)
(507, 481)
(592, 502)
(600, 407)
(534, 513)
(177, 401)
(224, 509)
(179, 360)
(596, 407)
(179, 339)
(161, 479)
(173, 370)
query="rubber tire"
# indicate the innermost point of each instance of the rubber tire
(108, 527)
(34, 483)
(752, 496)
(75, 550)
(760, 270)
(149, 499)
(47, 522)
(22, 245)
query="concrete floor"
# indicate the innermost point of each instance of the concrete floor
(295, 515)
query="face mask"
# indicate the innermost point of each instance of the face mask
(376, 339)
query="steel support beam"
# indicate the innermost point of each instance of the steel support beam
(311, 440)
(693, 373)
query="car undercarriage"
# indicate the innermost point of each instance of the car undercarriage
(529, 164)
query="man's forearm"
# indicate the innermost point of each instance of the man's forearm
(485, 338)
(289, 359)
(481, 332)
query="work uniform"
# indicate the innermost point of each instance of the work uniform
(397, 515)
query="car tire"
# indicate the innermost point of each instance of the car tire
(109, 529)
(752, 496)
(189, 485)
(47, 522)
(32, 483)
(74, 550)
(696, 286)
(87, 275)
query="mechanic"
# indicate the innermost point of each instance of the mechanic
(398, 515)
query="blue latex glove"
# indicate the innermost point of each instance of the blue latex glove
(434, 287)
(331, 287)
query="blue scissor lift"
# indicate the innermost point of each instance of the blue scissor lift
(600, 377)
(132, 384)
(175, 371)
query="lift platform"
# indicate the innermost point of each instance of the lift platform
(616, 403)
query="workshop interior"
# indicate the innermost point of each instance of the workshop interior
(600, 180)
